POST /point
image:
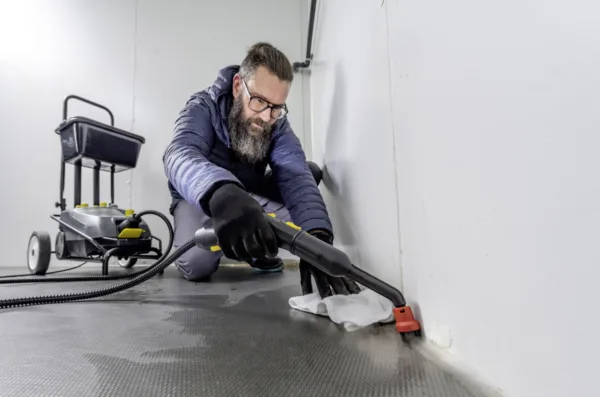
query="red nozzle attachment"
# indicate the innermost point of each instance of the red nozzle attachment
(405, 321)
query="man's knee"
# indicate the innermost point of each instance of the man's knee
(316, 171)
(198, 264)
(195, 264)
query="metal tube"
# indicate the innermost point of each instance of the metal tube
(107, 110)
(61, 202)
(311, 26)
(318, 253)
(112, 184)
(77, 184)
(377, 285)
(106, 259)
(97, 184)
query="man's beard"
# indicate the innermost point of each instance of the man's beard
(250, 147)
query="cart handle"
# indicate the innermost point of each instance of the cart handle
(65, 102)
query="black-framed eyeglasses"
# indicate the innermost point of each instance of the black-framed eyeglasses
(259, 104)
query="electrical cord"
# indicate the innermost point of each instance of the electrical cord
(54, 272)
(77, 296)
(118, 276)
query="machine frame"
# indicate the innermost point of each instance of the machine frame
(87, 233)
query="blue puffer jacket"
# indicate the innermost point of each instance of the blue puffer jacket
(199, 158)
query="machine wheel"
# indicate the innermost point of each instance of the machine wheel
(127, 262)
(60, 246)
(38, 252)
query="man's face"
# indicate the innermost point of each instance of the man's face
(258, 102)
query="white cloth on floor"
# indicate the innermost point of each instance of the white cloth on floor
(353, 311)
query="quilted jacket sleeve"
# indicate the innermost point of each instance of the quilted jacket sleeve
(185, 159)
(298, 188)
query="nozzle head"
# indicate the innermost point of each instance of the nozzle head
(405, 320)
(206, 239)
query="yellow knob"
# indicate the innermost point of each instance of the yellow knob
(129, 212)
(103, 204)
(84, 205)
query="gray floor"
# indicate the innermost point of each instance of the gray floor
(235, 336)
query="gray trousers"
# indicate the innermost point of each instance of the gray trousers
(198, 264)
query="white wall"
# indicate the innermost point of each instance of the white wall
(352, 134)
(141, 59)
(51, 50)
(490, 135)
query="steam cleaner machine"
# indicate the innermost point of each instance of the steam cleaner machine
(101, 231)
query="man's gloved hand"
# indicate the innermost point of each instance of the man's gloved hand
(325, 283)
(240, 226)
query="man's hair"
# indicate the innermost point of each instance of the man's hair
(266, 55)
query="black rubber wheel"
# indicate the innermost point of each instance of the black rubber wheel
(60, 246)
(127, 262)
(38, 252)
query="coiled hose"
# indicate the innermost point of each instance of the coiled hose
(77, 296)
(118, 276)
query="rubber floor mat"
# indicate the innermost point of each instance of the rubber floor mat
(233, 336)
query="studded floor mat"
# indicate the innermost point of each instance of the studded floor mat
(233, 336)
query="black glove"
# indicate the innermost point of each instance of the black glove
(324, 282)
(240, 226)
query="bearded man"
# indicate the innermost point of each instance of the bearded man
(216, 165)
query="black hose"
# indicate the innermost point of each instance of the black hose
(118, 276)
(169, 226)
(77, 296)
